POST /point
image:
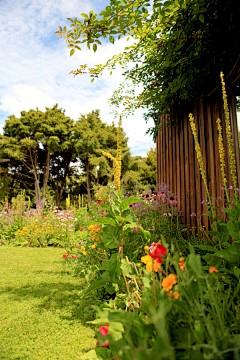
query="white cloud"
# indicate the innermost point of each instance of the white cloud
(35, 66)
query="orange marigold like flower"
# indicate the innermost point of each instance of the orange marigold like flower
(156, 265)
(168, 282)
(213, 269)
(149, 266)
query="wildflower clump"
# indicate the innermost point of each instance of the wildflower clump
(154, 259)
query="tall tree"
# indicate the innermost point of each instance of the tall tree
(38, 142)
(92, 136)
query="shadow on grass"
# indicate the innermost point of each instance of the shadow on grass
(60, 297)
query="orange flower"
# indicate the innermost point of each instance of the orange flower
(168, 282)
(181, 259)
(173, 294)
(146, 247)
(213, 269)
(149, 266)
(156, 265)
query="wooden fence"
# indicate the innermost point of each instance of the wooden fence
(177, 163)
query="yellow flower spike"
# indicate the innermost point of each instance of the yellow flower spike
(229, 135)
(222, 156)
(199, 154)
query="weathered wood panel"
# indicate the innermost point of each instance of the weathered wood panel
(177, 162)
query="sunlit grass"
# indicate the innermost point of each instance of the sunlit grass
(41, 314)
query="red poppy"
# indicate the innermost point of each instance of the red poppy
(158, 253)
(106, 344)
(65, 256)
(99, 202)
(81, 228)
(104, 330)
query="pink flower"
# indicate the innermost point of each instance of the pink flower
(74, 256)
(104, 330)
(165, 214)
(65, 256)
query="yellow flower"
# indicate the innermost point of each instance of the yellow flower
(146, 259)
(84, 253)
(93, 246)
(146, 247)
(82, 248)
(168, 282)
(149, 266)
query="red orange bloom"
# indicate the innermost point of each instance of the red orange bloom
(158, 253)
(213, 269)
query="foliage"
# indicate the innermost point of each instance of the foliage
(92, 136)
(41, 314)
(39, 145)
(180, 48)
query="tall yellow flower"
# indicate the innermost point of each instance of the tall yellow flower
(199, 154)
(229, 135)
(222, 156)
(117, 162)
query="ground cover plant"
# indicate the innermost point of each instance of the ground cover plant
(41, 314)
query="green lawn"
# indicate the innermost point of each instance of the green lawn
(41, 315)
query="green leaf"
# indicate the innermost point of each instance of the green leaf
(201, 18)
(128, 269)
(84, 15)
(122, 219)
(206, 247)
(114, 266)
(77, 47)
(88, 46)
(209, 213)
(116, 329)
(111, 236)
(94, 47)
(104, 220)
(72, 52)
(97, 284)
(125, 204)
(111, 38)
(233, 228)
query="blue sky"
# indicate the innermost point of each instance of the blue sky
(35, 66)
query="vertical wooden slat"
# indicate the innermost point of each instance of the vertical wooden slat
(234, 126)
(178, 174)
(192, 176)
(164, 152)
(204, 157)
(161, 157)
(167, 154)
(186, 165)
(218, 183)
(210, 152)
(182, 177)
(198, 186)
(170, 158)
(174, 159)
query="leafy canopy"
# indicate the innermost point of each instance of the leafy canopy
(180, 48)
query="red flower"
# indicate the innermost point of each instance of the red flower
(106, 344)
(104, 330)
(4, 202)
(81, 228)
(74, 256)
(65, 256)
(99, 202)
(158, 253)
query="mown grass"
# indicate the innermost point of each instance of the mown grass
(41, 315)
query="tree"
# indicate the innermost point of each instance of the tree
(181, 47)
(92, 136)
(39, 143)
(142, 171)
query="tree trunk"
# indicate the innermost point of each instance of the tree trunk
(88, 182)
(46, 174)
(36, 177)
